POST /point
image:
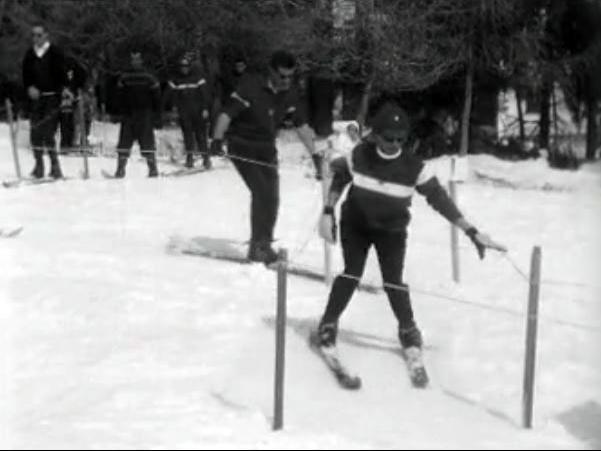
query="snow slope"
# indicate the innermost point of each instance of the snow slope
(111, 341)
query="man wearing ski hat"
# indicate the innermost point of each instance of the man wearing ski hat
(383, 175)
(188, 93)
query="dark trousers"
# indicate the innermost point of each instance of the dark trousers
(44, 120)
(137, 126)
(194, 130)
(67, 126)
(356, 240)
(262, 179)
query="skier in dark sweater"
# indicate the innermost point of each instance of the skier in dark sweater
(251, 118)
(140, 104)
(383, 175)
(188, 93)
(45, 81)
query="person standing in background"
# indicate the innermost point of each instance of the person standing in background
(188, 93)
(45, 81)
(140, 104)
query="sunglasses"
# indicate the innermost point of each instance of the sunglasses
(37, 35)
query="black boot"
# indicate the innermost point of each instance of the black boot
(189, 160)
(252, 251)
(326, 334)
(38, 169)
(412, 343)
(317, 162)
(206, 162)
(152, 165)
(410, 337)
(266, 253)
(121, 164)
(55, 167)
(261, 251)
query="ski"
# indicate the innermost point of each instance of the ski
(10, 233)
(107, 175)
(330, 357)
(183, 172)
(235, 251)
(29, 181)
(415, 367)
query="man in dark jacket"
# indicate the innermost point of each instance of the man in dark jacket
(140, 104)
(188, 93)
(251, 117)
(45, 81)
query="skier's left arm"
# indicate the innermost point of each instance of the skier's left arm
(157, 107)
(428, 185)
(203, 96)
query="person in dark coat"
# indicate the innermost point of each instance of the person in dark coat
(188, 93)
(251, 117)
(140, 105)
(45, 82)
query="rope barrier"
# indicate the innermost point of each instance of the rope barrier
(458, 300)
(507, 256)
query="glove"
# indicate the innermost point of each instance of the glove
(33, 93)
(216, 148)
(483, 241)
(327, 225)
(317, 161)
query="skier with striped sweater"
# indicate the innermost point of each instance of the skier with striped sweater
(383, 174)
(188, 93)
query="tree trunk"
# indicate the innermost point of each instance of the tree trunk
(467, 109)
(364, 105)
(592, 108)
(518, 97)
(555, 116)
(545, 109)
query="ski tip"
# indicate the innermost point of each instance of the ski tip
(10, 233)
(352, 383)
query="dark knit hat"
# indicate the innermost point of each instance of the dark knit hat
(391, 120)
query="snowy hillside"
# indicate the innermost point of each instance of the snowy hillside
(109, 340)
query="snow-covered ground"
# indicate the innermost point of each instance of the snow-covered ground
(108, 340)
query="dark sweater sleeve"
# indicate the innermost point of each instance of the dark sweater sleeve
(203, 92)
(241, 98)
(59, 67)
(155, 92)
(27, 77)
(341, 175)
(436, 196)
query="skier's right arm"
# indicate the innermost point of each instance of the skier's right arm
(341, 177)
(237, 102)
